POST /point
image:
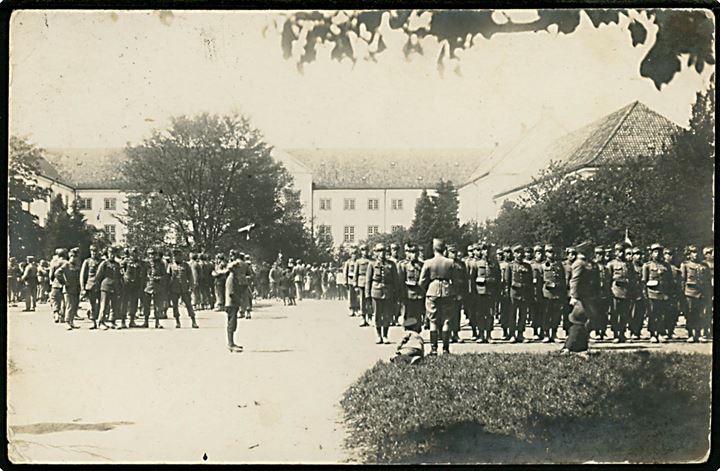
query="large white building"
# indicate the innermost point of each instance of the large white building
(354, 193)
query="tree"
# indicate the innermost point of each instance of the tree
(146, 219)
(24, 232)
(65, 229)
(424, 226)
(679, 33)
(207, 176)
(447, 205)
(399, 236)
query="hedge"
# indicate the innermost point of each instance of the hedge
(532, 408)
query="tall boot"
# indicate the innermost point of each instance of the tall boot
(230, 339)
(194, 324)
(385, 331)
(378, 330)
(446, 341)
(433, 342)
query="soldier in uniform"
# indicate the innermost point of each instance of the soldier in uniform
(622, 279)
(180, 284)
(554, 293)
(298, 275)
(435, 278)
(133, 270)
(154, 287)
(195, 268)
(695, 283)
(395, 258)
(110, 279)
(707, 323)
(382, 286)
(675, 295)
(536, 303)
(68, 274)
(657, 283)
(13, 287)
(56, 291)
(90, 288)
(350, 275)
(220, 274)
(602, 301)
(234, 295)
(570, 257)
(206, 281)
(504, 304)
(583, 296)
(459, 288)
(484, 283)
(411, 292)
(29, 279)
(639, 308)
(519, 284)
(470, 301)
(361, 279)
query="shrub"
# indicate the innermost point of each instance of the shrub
(531, 408)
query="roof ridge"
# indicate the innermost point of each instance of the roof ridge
(622, 120)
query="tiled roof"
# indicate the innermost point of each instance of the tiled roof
(634, 130)
(89, 168)
(47, 170)
(389, 168)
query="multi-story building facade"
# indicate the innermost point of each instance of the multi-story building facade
(352, 194)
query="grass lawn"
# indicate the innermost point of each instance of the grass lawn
(532, 408)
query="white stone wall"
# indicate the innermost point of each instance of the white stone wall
(40, 208)
(100, 217)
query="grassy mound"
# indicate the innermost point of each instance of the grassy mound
(531, 408)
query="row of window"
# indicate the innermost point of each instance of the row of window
(349, 231)
(349, 204)
(86, 203)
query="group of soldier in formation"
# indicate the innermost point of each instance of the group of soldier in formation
(623, 289)
(591, 290)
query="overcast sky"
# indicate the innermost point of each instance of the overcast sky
(103, 79)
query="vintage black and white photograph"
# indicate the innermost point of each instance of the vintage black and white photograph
(360, 236)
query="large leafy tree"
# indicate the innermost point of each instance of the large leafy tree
(437, 216)
(68, 228)
(24, 232)
(206, 177)
(686, 34)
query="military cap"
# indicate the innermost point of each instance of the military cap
(29, 258)
(438, 244)
(233, 253)
(290, 260)
(242, 255)
(482, 245)
(583, 247)
(599, 249)
(60, 251)
(690, 248)
(506, 249)
(528, 249)
(410, 247)
(656, 246)
(74, 251)
(637, 250)
(452, 248)
(410, 322)
(93, 247)
(608, 250)
(668, 250)
(470, 248)
(619, 246)
(538, 248)
(379, 247)
(549, 248)
(707, 250)
(517, 248)
(363, 247)
(394, 246)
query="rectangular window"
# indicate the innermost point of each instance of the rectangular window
(396, 228)
(349, 234)
(349, 204)
(372, 230)
(325, 204)
(111, 204)
(110, 231)
(323, 231)
(84, 203)
(397, 204)
(373, 204)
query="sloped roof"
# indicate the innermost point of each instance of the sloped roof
(89, 168)
(634, 130)
(388, 168)
(47, 170)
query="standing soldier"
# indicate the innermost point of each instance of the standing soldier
(195, 268)
(69, 276)
(570, 257)
(206, 281)
(470, 303)
(554, 294)
(435, 279)
(154, 291)
(382, 286)
(30, 279)
(695, 282)
(602, 302)
(459, 288)
(180, 284)
(675, 295)
(110, 279)
(43, 282)
(536, 303)
(395, 258)
(657, 282)
(298, 278)
(90, 288)
(220, 274)
(361, 280)
(133, 271)
(411, 293)
(519, 285)
(12, 281)
(484, 283)
(707, 323)
(56, 288)
(350, 275)
(622, 278)
(639, 308)
(233, 298)
(506, 318)
(582, 290)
